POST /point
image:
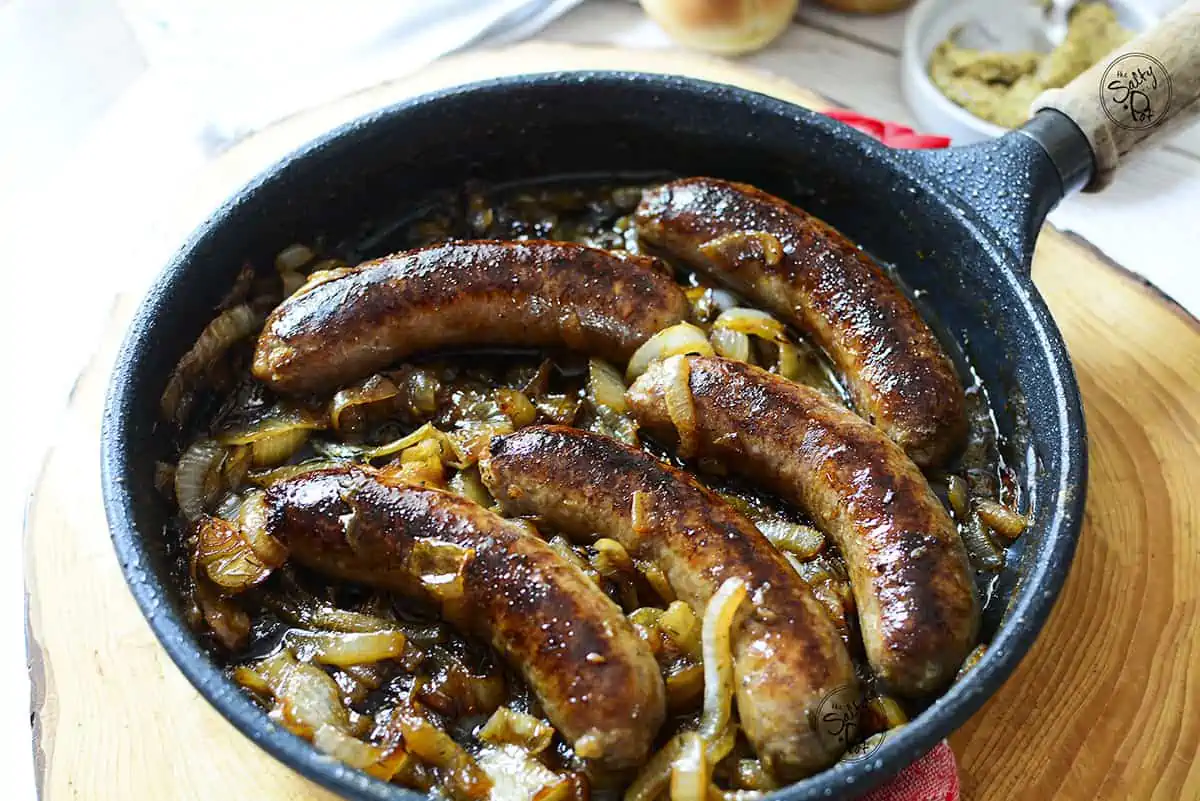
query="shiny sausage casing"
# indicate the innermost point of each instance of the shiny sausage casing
(788, 656)
(916, 599)
(817, 280)
(594, 676)
(465, 294)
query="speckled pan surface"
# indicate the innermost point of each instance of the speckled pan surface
(958, 225)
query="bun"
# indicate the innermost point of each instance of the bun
(865, 6)
(728, 27)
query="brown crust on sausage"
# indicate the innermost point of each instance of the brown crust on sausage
(787, 654)
(916, 600)
(897, 371)
(574, 646)
(460, 294)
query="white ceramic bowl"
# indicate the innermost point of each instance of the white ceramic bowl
(929, 23)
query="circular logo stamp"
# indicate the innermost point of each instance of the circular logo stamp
(839, 724)
(1135, 91)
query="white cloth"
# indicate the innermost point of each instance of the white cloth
(247, 63)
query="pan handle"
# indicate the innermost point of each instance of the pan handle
(1141, 92)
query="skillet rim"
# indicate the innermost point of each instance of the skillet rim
(1027, 611)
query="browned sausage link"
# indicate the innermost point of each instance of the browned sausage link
(788, 656)
(597, 681)
(908, 568)
(817, 280)
(460, 294)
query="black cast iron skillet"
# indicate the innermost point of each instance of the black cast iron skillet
(958, 224)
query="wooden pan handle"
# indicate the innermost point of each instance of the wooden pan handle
(1140, 92)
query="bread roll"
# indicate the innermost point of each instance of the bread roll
(722, 26)
(865, 6)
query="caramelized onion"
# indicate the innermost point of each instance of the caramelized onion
(679, 623)
(1000, 519)
(681, 410)
(226, 557)
(293, 258)
(280, 419)
(465, 780)
(690, 770)
(425, 432)
(507, 727)
(343, 649)
(468, 484)
(681, 338)
(718, 658)
(752, 322)
(344, 411)
(605, 387)
(230, 326)
(731, 344)
(804, 541)
(199, 467)
(440, 566)
(759, 246)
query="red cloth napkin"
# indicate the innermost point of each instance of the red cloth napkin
(933, 777)
(890, 133)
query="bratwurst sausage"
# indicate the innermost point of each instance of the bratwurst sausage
(908, 568)
(788, 657)
(483, 293)
(597, 681)
(813, 277)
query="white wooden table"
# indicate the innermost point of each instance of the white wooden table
(102, 180)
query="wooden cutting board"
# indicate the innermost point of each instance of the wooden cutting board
(1106, 705)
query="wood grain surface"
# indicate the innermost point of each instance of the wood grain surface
(1106, 705)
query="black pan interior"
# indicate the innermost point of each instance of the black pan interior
(353, 185)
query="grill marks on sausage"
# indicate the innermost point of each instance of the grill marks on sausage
(540, 612)
(897, 372)
(909, 572)
(466, 294)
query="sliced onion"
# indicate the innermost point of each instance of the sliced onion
(425, 432)
(425, 472)
(679, 623)
(753, 322)
(971, 661)
(804, 541)
(516, 407)
(758, 246)
(440, 566)
(373, 390)
(345, 649)
(680, 409)
(252, 525)
(605, 387)
(718, 658)
(277, 448)
(560, 409)
(956, 493)
(518, 776)
(318, 277)
(1000, 519)
(465, 780)
(507, 727)
(612, 560)
(194, 477)
(229, 327)
(731, 344)
(267, 478)
(657, 579)
(351, 750)
(469, 440)
(237, 464)
(681, 338)
(309, 699)
(620, 427)
(887, 712)
(790, 365)
(469, 485)
(293, 257)
(282, 418)
(655, 776)
(301, 609)
(225, 556)
(752, 775)
(292, 281)
(690, 770)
